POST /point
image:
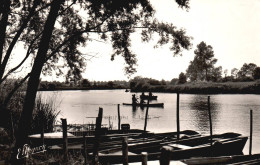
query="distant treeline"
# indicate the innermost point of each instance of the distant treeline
(83, 84)
(203, 76)
(140, 84)
(200, 77)
(200, 87)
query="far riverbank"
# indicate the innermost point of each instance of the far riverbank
(252, 87)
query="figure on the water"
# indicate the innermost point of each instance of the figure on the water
(150, 94)
(134, 99)
(142, 101)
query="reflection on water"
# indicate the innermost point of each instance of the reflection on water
(134, 111)
(230, 113)
(198, 106)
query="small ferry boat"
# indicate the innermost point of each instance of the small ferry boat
(145, 105)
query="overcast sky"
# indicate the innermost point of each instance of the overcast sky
(231, 27)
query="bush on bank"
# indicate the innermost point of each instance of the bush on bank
(44, 114)
(252, 87)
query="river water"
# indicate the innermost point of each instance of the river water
(230, 113)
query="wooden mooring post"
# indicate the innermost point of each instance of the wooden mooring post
(97, 136)
(42, 133)
(146, 115)
(85, 153)
(165, 156)
(144, 158)
(251, 132)
(178, 115)
(210, 121)
(125, 150)
(42, 139)
(65, 139)
(119, 119)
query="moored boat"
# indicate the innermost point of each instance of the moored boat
(222, 144)
(221, 160)
(111, 140)
(147, 97)
(145, 105)
(56, 138)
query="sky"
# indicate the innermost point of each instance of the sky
(230, 27)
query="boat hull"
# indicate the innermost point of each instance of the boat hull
(183, 149)
(145, 105)
(146, 97)
(235, 159)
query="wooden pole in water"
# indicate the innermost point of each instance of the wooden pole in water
(99, 119)
(146, 115)
(144, 158)
(42, 133)
(97, 136)
(65, 139)
(210, 121)
(42, 137)
(251, 132)
(85, 149)
(178, 116)
(165, 156)
(118, 112)
(125, 151)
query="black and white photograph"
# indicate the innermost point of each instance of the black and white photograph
(138, 82)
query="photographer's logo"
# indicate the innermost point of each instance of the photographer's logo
(26, 151)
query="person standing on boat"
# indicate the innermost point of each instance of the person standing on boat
(150, 94)
(134, 100)
(142, 101)
(142, 96)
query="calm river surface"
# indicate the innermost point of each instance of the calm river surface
(230, 113)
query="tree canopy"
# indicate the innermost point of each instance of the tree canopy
(52, 32)
(202, 66)
(182, 78)
(246, 71)
(78, 23)
(256, 73)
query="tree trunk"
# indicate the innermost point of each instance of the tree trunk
(5, 7)
(16, 37)
(206, 74)
(26, 116)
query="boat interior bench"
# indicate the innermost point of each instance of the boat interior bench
(180, 146)
(125, 127)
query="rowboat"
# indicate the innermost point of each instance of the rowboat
(146, 97)
(145, 105)
(234, 159)
(222, 144)
(109, 141)
(56, 138)
(116, 141)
